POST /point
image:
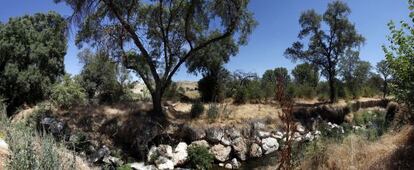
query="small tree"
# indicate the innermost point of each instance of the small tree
(385, 71)
(325, 48)
(269, 80)
(400, 59)
(306, 74)
(68, 93)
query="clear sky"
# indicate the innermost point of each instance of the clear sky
(278, 28)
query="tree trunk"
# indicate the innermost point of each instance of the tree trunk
(385, 88)
(332, 87)
(157, 110)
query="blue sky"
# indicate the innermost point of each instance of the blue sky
(278, 28)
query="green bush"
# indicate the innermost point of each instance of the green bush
(124, 167)
(200, 158)
(197, 109)
(68, 93)
(213, 111)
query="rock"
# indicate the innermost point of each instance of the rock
(270, 145)
(225, 141)
(165, 151)
(220, 152)
(256, 125)
(100, 154)
(235, 164)
(164, 163)
(263, 134)
(113, 161)
(57, 128)
(221, 164)
(199, 143)
(180, 154)
(233, 133)
(278, 135)
(141, 166)
(240, 148)
(309, 136)
(255, 150)
(152, 154)
(228, 166)
(4, 148)
(214, 134)
(300, 129)
(195, 133)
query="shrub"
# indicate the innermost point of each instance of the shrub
(199, 157)
(67, 93)
(124, 167)
(213, 111)
(2, 106)
(197, 109)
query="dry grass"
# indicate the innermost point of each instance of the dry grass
(358, 153)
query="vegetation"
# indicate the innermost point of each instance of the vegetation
(200, 158)
(197, 109)
(400, 59)
(26, 77)
(68, 93)
(325, 48)
(173, 30)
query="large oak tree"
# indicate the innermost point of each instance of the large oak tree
(326, 43)
(156, 37)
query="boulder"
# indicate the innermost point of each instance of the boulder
(199, 143)
(113, 161)
(195, 133)
(214, 134)
(263, 134)
(235, 164)
(152, 154)
(270, 145)
(55, 127)
(228, 166)
(233, 133)
(300, 129)
(100, 154)
(164, 163)
(225, 141)
(4, 148)
(220, 152)
(255, 150)
(180, 154)
(165, 151)
(240, 148)
(141, 166)
(278, 135)
(257, 125)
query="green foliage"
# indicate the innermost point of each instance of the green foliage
(99, 76)
(124, 167)
(197, 109)
(213, 111)
(212, 86)
(306, 74)
(324, 41)
(270, 80)
(32, 50)
(250, 90)
(68, 93)
(173, 92)
(199, 157)
(400, 59)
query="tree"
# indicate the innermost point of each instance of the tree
(306, 74)
(32, 50)
(325, 47)
(270, 80)
(400, 58)
(100, 76)
(385, 71)
(209, 64)
(154, 38)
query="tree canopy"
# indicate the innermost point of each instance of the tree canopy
(32, 50)
(154, 38)
(325, 46)
(306, 74)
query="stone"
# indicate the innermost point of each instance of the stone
(152, 154)
(4, 148)
(220, 152)
(300, 129)
(165, 151)
(225, 141)
(278, 135)
(233, 133)
(100, 154)
(214, 134)
(240, 148)
(263, 134)
(113, 161)
(180, 154)
(270, 145)
(228, 166)
(235, 164)
(199, 143)
(141, 166)
(255, 150)
(57, 128)
(221, 164)
(195, 133)
(308, 136)
(164, 163)
(256, 125)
